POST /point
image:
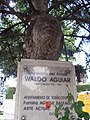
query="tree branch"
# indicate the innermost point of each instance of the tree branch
(85, 6)
(84, 20)
(31, 5)
(83, 27)
(58, 4)
(73, 15)
(9, 28)
(78, 7)
(28, 17)
(67, 17)
(12, 10)
(5, 11)
(66, 57)
(88, 37)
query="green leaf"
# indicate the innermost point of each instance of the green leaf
(78, 109)
(70, 97)
(67, 112)
(80, 104)
(65, 118)
(56, 113)
(86, 116)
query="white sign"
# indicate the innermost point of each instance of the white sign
(41, 82)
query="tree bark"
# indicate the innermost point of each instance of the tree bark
(43, 37)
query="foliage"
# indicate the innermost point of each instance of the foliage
(10, 92)
(83, 88)
(80, 72)
(1, 112)
(76, 106)
(16, 15)
(69, 47)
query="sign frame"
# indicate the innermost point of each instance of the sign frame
(24, 65)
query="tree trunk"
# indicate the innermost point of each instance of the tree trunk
(43, 37)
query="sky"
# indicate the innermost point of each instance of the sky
(12, 82)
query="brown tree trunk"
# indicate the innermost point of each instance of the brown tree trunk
(43, 37)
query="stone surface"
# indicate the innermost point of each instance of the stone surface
(41, 85)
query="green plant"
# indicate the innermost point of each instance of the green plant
(76, 106)
(83, 88)
(58, 112)
(1, 112)
(10, 92)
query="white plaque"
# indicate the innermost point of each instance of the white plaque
(41, 82)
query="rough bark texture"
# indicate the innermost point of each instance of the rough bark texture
(44, 38)
(40, 5)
